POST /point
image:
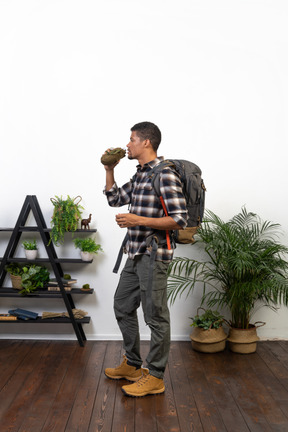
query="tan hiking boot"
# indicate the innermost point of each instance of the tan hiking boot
(124, 371)
(146, 385)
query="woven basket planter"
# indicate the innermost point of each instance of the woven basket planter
(208, 341)
(243, 341)
(16, 282)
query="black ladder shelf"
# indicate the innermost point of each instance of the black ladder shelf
(31, 204)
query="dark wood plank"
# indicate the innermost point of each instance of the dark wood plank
(84, 398)
(272, 377)
(56, 366)
(102, 415)
(189, 419)
(11, 355)
(214, 366)
(19, 382)
(210, 417)
(248, 392)
(62, 405)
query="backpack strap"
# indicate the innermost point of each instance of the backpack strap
(167, 231)
(120, 254)
(152, 242)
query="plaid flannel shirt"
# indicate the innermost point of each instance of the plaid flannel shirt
(143, 201)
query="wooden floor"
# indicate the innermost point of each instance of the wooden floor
(59, 386)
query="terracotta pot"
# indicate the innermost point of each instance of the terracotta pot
(243, 341)
(208, 341)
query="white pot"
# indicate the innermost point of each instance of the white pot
(86, 256)
(31, 254)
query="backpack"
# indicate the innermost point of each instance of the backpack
(193, 191)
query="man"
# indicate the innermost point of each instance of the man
(145, 218)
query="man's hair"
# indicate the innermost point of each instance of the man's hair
(147, 130)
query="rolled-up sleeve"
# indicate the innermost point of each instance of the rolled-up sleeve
(118, 197)
(172, 193)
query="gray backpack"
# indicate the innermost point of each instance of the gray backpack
(193, 191)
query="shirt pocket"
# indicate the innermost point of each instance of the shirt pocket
(145, 186)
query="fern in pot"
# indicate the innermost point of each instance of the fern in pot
(245, 268)
(66, 216)
(88, 248)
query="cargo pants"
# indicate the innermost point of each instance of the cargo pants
(131, 291)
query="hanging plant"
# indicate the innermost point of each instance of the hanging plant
(66, 216)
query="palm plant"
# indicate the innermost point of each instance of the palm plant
(245, 266)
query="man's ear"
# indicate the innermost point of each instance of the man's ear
(147, 143)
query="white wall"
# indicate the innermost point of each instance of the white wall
(75, 76)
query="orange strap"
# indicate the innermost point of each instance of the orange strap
(167, 231)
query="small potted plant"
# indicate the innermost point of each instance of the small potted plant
(27, 278)
(86, 287)
(88, 247)
(30, 248)
(66, 216)
(15, 271)
(208, 334)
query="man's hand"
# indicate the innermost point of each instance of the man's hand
(112, 156)
(110, 167)
(125, 220)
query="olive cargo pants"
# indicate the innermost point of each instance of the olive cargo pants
(131, 291)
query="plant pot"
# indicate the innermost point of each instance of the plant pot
(31, 254)
(16, 281)
(208, 341)
(86, 256)
(243, 341)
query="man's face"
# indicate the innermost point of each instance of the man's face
(135, 146)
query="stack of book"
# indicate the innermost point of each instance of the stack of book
(23, 314)
(54, 286)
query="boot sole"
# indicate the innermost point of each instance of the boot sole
(119, 377)
(152, 392)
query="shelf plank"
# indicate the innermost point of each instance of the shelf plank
(39, 320)
(36, 228)
(46, 260)
(11, 292)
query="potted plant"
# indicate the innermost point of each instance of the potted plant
(30, 277)
(208, 334)
(88, 247)
(15, 271)
(66, 216)
(244, 268)
(86, 287)
(30, 248)
(33, 277)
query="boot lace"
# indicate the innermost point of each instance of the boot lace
(144, 378)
